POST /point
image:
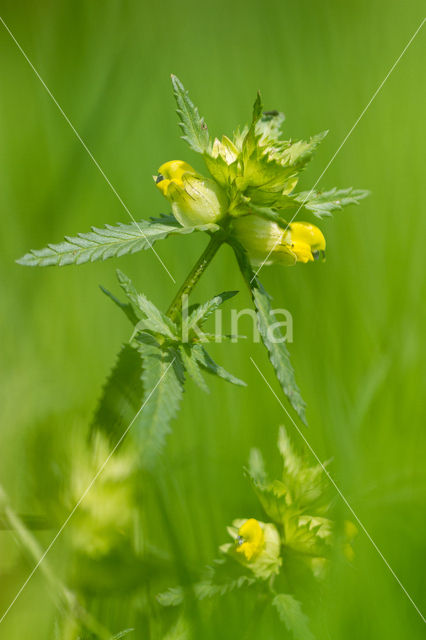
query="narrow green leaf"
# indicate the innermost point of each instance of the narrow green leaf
(191, 367)
(202, 311)
(278, 352)
(194, 129)
(290, 612)
(32, 522)
(249, 144)
(126, 307)
(109, 242)
(210, 365)
(257, 109)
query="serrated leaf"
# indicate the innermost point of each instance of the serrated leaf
(122, 395)
(292, 462)
(163, 379)
(278, 352)
(210, 365)
(151, 318)
(322, 204)
(202, 311)
(249, 144)
(299, 153)
(192, 367)
(290, 612)
(204, 589)
(109, 242)
(194, 129)
(126, 307)
(179, 631)
(269, 125)
(171, 598)
(256, 466)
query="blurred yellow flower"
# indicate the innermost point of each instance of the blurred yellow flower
(250, 540)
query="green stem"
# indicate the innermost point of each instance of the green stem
(195, 274)
(65, 599)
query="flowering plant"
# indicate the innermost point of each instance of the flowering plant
(249, 200)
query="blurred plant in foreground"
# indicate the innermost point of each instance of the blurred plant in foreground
(269, 557)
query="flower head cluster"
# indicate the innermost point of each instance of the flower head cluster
(251, 188)
(300, 526)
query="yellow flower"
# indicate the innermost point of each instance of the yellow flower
(172, 172)
(256, 545)
(250, 540)
(267, 243)
(194, 199)
(307, 241)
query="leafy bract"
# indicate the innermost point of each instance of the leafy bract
(269, 125)
(323, 203)
(194, 129)
(277, 349)
(290, 612)
(109, 242)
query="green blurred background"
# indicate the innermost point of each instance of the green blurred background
(359, 319)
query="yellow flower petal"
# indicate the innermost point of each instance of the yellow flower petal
(307, 233)
(251, 539)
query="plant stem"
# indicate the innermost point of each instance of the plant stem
(195, 274)
(61, 593)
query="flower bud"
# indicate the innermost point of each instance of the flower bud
(194, 199)
(267, 243)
